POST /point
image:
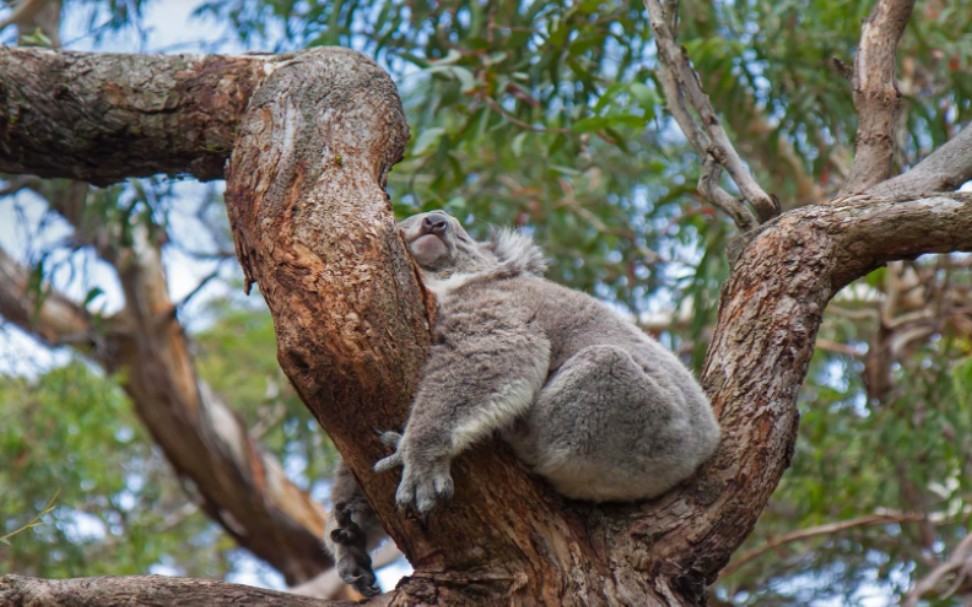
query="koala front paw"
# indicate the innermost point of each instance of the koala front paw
(424, 485)
(425, 481)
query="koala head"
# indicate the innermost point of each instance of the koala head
(441, 247)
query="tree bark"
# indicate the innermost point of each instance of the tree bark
(102, 118)
(314, 230)
(148, 590)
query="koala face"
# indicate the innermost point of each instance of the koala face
(440, 245)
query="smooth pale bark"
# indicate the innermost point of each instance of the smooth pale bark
(876, 95)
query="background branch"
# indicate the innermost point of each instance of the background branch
(876, 95)
(946, 168)
(684, 94)
(830, 528)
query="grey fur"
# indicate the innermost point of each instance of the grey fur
(584, 397)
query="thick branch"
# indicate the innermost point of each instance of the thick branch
(313, 228)
(876, 95)
(102, 118)
(946, 168)
(144, 590)
(770, 310)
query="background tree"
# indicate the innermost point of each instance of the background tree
(535, 113)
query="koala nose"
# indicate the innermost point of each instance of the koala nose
(434, 224)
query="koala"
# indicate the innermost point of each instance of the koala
(586, 400)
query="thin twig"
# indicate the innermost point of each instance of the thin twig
(721, 199)
(779, 540)
(684, 94)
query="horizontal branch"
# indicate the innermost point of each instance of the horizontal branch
(103, 118)
(145, 590)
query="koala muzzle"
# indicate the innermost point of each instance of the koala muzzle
(434, 224)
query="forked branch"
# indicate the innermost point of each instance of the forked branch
(694, 113)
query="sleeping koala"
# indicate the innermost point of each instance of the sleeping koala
(586, 399)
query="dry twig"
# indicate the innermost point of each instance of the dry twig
(684, 95)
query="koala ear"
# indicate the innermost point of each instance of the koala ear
(517, 252)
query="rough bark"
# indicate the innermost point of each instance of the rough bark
(103, 118)
(148, 590)
(314, 230)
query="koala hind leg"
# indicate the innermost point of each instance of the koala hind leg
(604, 429)
(352, 531)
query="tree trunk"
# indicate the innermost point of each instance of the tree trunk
(314, 230)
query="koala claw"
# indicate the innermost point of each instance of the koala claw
(424, 490)
(425, 482)
(356, 571)
(351, 555)
(390, 439)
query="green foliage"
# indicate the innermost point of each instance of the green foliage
(82, 492)
(547, 115)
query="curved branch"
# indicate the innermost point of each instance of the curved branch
(770, 310)
(876, 95)
(102, 118)
(240, 486)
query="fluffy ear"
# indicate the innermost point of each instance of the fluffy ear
(516, 252)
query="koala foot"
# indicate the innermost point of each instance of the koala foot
(425, 482)
(351, 554)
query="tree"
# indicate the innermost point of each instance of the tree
(313, 229)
